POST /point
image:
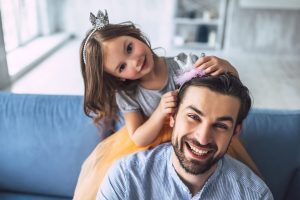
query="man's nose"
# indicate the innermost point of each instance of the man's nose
(204, 134)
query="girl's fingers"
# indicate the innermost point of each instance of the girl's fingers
(213, 65)
(169, 99)
(211, 69)
(218, 72)
(170, 110)
(170, 94)
(201, 61)
(207, 65)
(170, 104)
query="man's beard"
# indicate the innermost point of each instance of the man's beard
(193, 166)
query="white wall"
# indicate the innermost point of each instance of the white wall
(154, 17)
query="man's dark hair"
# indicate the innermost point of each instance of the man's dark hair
(226, 84)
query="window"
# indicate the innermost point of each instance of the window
(19, 21)
(31, 31)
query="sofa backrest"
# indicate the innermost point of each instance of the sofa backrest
(44, 139)
(272, 138)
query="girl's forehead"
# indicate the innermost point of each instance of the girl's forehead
(116, 41)
(114, 46)
(106, 45)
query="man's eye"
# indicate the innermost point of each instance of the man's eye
(194, 117)
(122, 67)
(129, 48)
(221, 126)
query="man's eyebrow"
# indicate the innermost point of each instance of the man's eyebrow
(224, 118)
(124, 50)
(195, 109)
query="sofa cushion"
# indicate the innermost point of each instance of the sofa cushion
(22, 196)
(272, 139)
(294, 187)
(44, 139)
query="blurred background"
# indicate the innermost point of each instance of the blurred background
(40, 39)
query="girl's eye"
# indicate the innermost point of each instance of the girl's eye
(122, 67)
(129, 48)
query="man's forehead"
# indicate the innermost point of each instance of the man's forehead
(208, 101)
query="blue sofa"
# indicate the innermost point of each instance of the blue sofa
(44, 139)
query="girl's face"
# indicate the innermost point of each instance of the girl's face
(126, 57)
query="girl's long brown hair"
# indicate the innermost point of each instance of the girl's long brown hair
(100, 87)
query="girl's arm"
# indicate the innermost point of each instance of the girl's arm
(215, 66)
(144, 132)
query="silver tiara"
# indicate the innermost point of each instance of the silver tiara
(98, 22)
(187, 71)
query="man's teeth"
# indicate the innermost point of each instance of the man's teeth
(198, 152)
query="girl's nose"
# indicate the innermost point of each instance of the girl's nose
(137, 64)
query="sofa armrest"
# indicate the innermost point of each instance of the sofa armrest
(44, 139)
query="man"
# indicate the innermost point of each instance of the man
(194, 166)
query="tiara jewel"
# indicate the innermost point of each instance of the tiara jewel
(98, 22)
(187, 70)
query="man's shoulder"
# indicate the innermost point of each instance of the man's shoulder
(243, 176)
(135, 168)
(131, 177)
(148, 157)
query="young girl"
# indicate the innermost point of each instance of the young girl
(121, 72)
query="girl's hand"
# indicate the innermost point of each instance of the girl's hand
(167, 103)
(215, 66)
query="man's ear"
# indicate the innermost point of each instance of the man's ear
(237, 130)
(172, 121)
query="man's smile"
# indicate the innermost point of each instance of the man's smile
(198, 153)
